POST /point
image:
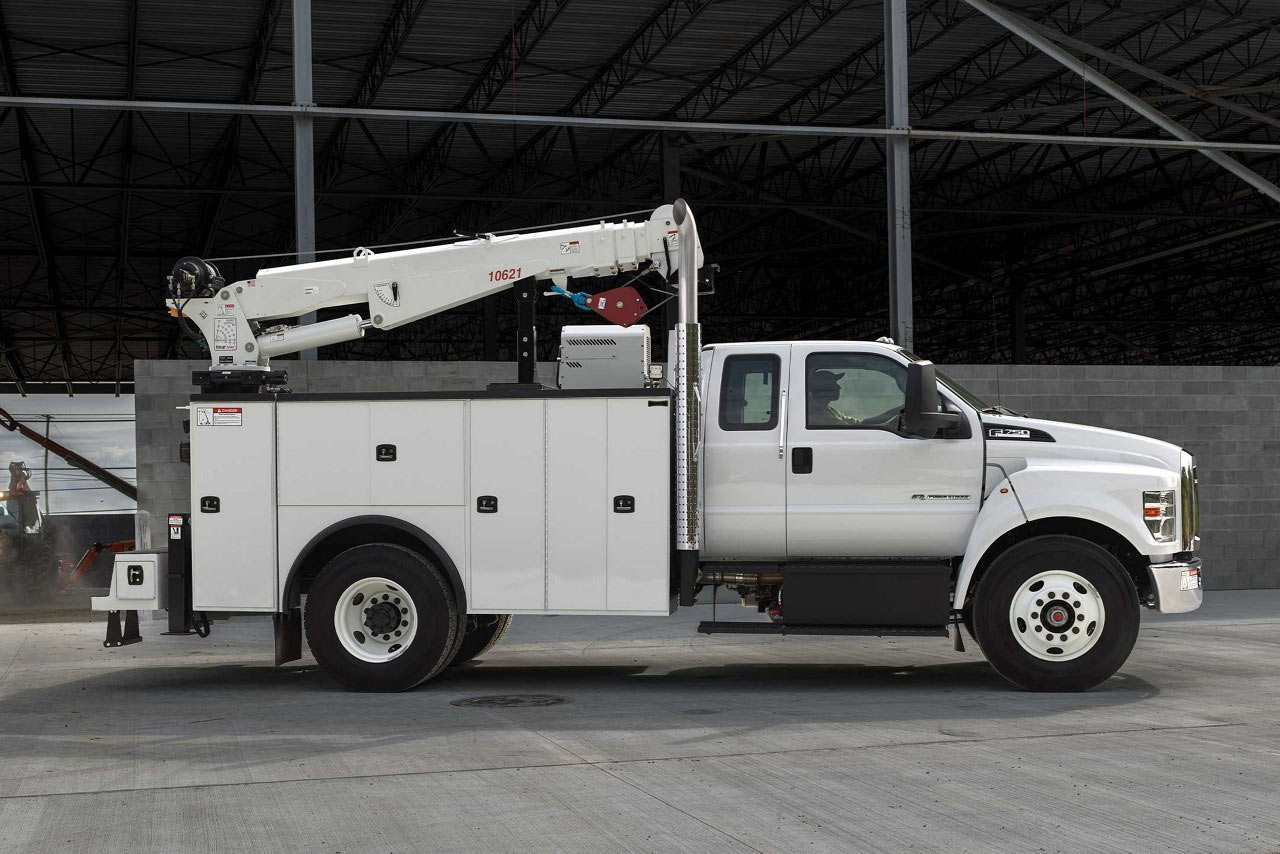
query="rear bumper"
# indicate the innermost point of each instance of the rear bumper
(1177, 585)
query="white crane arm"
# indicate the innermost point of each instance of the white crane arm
(407, 285)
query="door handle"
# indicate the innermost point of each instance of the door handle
(782, 425)
(802, 460)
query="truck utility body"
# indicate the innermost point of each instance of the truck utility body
(539, 502)
(836, 487)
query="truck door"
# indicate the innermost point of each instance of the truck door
(744, 482)
(858, 487)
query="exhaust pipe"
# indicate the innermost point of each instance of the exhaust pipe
(688, 411)
(739, 579)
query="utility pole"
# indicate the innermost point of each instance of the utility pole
(48, 421)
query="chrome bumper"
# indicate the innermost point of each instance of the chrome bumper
(1177, 585)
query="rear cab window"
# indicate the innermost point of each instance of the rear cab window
(749, 392)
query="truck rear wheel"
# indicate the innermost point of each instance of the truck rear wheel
(483, 633)
(380, 617)
(1056, 613)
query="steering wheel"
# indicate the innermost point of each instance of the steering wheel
(885, 417)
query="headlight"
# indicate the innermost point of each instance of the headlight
(1158, 512)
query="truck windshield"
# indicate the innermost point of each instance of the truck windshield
(964, 393)
(960, 391)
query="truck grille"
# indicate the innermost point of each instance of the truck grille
(1190, 503)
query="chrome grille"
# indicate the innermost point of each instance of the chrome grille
(1190, 494)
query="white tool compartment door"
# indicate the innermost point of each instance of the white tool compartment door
(322, 452)
(508, 504)
(233, 506)
(578, 505)
(416, 453)
(639, 490)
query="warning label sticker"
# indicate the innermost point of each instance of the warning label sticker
(570, 247)
(224, 333)
(219, 416)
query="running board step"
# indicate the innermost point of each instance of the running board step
(709, 627)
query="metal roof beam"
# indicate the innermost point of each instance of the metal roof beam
(975, 70)
(733, 76)
(430, 161)
(1112, 58)
(225, 155)
(619, 123)
(395, 33)
(621, 69)
(12, 360)
(1024, 29)
(39, 224)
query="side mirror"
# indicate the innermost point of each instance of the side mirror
(921, 416)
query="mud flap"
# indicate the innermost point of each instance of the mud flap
(288, 626)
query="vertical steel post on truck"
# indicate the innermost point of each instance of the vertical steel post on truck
(688, 410)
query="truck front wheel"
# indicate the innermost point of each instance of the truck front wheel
(380, 617)
(1056, 613)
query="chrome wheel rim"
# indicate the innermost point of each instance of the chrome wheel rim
(375, 620)
(1057, 615)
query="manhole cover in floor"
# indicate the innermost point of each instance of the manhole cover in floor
(507, 701)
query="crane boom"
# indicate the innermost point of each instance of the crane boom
(13, 425)
(399, 287)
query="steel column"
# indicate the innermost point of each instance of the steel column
(304, 180)
(897, 153)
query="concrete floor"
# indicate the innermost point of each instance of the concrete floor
(668, 741)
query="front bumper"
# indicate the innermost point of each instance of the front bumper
(1177, 585)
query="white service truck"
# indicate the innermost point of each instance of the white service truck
(838, 487)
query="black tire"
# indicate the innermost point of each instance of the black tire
(1002, 581)
(436, 635)
(483, 633)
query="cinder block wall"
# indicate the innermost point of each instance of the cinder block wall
(1229, 417)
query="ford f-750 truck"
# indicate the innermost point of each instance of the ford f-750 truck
(836, 487)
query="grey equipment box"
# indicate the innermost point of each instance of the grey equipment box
(610, 357)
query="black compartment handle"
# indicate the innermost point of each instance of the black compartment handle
(802, 460)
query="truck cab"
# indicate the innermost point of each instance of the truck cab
(806, 456)
(825, 505)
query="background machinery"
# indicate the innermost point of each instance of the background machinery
(29, 562)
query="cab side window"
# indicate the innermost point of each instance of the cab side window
(850, 390)
(749, 392)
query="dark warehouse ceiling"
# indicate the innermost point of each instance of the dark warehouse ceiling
(1090, 255)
